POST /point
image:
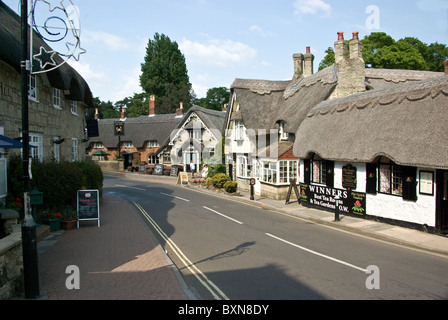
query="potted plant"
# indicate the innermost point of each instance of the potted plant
(69, 218)
(54, 220)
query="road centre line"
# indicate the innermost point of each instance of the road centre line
(317, 253)
(201, 277)
(170, 195)
(121, 186)
(222, 215)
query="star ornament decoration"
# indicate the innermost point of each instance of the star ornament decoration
(61, 27)
(45, 58)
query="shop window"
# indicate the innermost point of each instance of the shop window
(318, 170)
(288, 171)
(390, 178)
(270, 172)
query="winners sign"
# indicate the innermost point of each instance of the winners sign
(349, 203)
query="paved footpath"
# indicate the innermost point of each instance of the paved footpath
(118, 261)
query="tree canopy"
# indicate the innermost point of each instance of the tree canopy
(215, 98)
(165, 75)
(383, 52)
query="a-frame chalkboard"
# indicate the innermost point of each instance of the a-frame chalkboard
(88, 206)
(292, 186)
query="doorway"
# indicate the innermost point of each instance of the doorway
(442, 201)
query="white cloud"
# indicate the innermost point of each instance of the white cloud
(312, 7)
(215, 52)
(112, 42)
(260, 31)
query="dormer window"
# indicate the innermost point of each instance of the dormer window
(283, 134)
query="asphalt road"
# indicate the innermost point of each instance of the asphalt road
(229, 250)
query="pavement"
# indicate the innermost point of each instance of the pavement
(122, 260)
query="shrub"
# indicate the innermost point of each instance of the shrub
(219, 180)
(216, 169)
(231, 186)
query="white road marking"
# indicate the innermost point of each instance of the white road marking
(170, 195)
(222, 215)
(318, 254)
(121, 186)
(202, 278)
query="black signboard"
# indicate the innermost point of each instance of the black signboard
(349, 202)
(158, 169)
(88, 205)
(349, 177)
(119, 128)
(174, 171)
(292, 186)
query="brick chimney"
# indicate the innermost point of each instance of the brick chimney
(350, 70)
(180, 110)
(152, 106)
(298, 65)
(124, 114)
(445, 64)
(309, 62)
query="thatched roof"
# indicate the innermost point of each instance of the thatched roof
(212, 119)
(65, 77)
(137, 130)
(264, 103)
(405, 122)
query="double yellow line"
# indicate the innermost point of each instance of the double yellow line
(202, 278)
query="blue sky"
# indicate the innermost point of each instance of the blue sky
(227, 39)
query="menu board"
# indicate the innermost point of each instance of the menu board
(349, 178)
(88, 205)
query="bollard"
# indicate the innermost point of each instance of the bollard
(252, 196)
(336, 211)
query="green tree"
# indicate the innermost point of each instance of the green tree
(215, 98)
(136, 106)
(383, 52)
(328, 60)
(164, 74)
(106, 110)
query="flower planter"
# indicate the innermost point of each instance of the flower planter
(68, 225)
(55, 225)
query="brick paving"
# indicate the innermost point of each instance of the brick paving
(118, 261)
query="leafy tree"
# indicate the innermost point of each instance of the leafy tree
(328, 60)
(106, 110)
(215, 98)
(136, 106)
(382, 51)
(164, 74)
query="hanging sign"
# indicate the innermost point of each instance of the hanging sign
(349, 178)
(88, 206)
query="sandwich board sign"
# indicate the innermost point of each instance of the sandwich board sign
(88, 206)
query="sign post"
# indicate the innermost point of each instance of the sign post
(88, 206)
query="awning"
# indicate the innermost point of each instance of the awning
(8, 143)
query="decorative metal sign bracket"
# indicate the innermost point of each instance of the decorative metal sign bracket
(62, 29)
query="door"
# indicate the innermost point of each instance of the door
(442, 201)
(257, 176)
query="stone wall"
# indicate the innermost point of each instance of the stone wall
(11, 267)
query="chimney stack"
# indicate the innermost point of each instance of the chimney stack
(180, 110)
(298, 65)
(152, 106)
(445, 64)
(340, 48)
(123, 114)
(309, 62)
(356, 47)
(350, 70)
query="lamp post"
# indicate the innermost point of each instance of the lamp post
(29, 238)
(47, 63)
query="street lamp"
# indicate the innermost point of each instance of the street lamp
(29, 65)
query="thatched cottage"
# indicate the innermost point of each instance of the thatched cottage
(279, 131)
